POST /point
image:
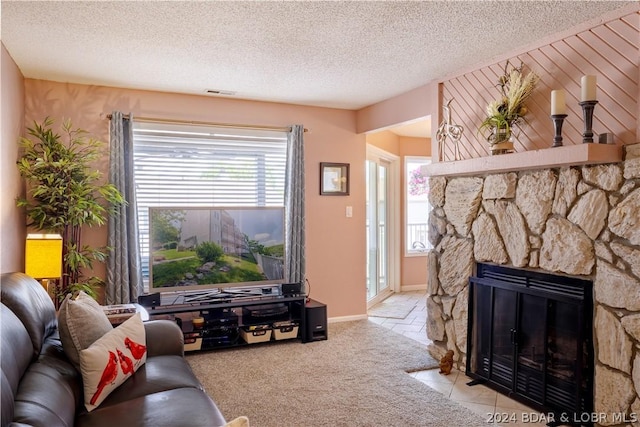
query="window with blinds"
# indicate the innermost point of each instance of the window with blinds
(203, 166)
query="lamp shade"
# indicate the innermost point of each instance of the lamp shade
(43, 256)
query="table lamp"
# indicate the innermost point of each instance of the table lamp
(43, 257)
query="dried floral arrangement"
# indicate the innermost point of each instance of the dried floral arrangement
(509, 110)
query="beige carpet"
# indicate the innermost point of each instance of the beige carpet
(358, 377)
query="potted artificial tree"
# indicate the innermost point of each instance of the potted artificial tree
(64, 194)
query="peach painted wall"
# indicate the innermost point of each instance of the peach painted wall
(385, 140)
(12, 219)
(413, 270)
(418, 103)
(335, 244)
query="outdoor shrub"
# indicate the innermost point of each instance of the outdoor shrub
(209, 252)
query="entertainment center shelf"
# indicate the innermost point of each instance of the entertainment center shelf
(181, 308)
(232, 317)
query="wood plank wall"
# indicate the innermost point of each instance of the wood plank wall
(610, 51)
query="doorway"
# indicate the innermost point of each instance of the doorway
(382, 184)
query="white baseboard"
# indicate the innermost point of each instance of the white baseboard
(409, 288)
(347, 318)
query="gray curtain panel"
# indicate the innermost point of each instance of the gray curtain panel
(124, 266)
(294, 207)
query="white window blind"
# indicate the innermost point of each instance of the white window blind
(201, 166)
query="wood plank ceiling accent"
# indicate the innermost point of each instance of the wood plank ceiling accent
(610, 51)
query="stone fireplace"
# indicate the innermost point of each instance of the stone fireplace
(581, 221)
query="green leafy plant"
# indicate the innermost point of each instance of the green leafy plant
(64, 194)
(209, 252)
(510, 109)
(164, 224)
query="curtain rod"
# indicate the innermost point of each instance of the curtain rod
(192, 122)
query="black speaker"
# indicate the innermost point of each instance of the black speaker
(315, 325)
(291, 289)
(149, 300)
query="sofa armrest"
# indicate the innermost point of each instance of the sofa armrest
(164, 337)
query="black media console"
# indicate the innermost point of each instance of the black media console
(229, 317)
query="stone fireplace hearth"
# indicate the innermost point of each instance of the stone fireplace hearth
(582, 221)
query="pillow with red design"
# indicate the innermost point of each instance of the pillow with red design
(110, 360)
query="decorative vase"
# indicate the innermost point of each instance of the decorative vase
(501, 141)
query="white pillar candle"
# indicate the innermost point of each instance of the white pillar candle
(588, 92)
(558, 104)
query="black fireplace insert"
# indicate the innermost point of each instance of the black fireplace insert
(530, 337)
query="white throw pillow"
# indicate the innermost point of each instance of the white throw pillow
(110, 360)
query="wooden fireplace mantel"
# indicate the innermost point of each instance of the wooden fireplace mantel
(547, 158)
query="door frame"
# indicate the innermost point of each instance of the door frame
(394, 228)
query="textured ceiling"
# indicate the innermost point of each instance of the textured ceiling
(332, 54)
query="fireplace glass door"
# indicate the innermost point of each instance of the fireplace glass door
(503, 325)
(530, 337)
(530, 345)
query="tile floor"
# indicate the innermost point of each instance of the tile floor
(491, 405)
(414, 324)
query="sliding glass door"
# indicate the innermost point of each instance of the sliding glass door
(378, 229)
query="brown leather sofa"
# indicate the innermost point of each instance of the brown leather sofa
(40, 387)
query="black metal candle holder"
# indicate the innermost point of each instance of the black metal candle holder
(587, 113)
(558, 119)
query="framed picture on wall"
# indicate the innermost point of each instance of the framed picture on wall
(334, 179)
